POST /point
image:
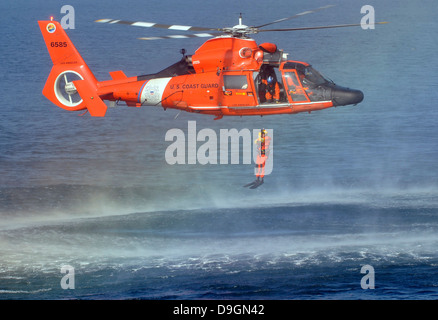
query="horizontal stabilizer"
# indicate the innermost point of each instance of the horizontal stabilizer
(93, 102)
(118, 75)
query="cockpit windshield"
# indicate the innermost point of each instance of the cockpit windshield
(313, 76)
(308, 75)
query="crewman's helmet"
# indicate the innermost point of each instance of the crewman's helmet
(270, 79)
(264, 131)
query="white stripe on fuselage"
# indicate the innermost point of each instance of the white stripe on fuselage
(152, 92)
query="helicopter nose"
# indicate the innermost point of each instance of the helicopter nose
(344, 96)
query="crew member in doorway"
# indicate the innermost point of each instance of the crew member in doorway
(272, 89)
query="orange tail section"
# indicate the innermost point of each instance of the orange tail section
(71, 85)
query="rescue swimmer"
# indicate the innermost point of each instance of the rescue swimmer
(263, 143)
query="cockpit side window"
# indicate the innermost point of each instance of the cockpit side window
(312, 76)
(294, 87)
(308, 75)
(302, 80)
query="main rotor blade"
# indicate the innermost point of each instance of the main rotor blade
(321, 27)
(177, 36)
(296, 15)
(156, 25)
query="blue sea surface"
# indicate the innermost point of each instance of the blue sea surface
(351, 186)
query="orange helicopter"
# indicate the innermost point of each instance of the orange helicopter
(229, 75)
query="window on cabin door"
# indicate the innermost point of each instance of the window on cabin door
(238, 90)
(293, 86)
(236, 82)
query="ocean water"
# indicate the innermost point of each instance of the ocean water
(351, 187)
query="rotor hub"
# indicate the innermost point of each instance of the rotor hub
(70, 88)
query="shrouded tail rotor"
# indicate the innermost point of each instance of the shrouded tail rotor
(65, 90)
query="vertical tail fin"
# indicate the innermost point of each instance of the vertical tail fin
(71, 85)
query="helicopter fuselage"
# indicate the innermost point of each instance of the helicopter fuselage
(225, 77)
